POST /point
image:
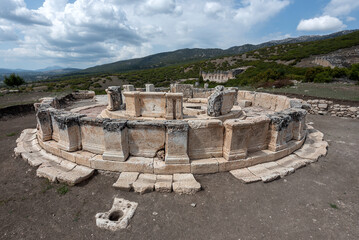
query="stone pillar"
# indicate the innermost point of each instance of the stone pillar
(133, 107)
(55, 127)
(258, 134)
(114, 98)
(174, 106)
(69, 132)
(44, 124)
(236, 137)
(92, 135)
(116, 141)
(128, 88)
(278, 131)
(298, 122)
(150, 88)
(176, 142)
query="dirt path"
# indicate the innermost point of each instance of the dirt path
(319, 201)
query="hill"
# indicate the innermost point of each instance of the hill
(190, 55)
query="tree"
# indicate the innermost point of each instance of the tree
(13, 80)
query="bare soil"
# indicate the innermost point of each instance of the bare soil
(319, 201)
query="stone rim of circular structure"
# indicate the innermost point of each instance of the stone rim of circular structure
(238, 143)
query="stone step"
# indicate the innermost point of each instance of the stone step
(275, 167)
(244, 175)
(125, 181)
(292, 161)
(164, 183)
(185, 184)
(145, 183)
(264, 173)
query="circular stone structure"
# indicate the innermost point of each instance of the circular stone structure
(158, 139)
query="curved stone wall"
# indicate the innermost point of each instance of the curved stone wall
(196, 146)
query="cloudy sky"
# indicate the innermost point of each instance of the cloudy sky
(82, 33)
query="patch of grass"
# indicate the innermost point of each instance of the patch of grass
(63, 190)
(332, 205)
(47, 186)
(77, 216)
(11, 134)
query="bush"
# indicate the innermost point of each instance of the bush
(13, 80)
(354, 72)
(323, 77)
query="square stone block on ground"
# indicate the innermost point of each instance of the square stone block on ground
(125, 181)
(145, 183)
(163, 183)
(185, 184)
(245, 176)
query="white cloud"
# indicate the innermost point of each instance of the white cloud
(338, 8)
(323, 23)
(255, 11)
(84, 33)
(350, 19)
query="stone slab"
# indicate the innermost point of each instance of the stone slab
(160, 167)
(125, 181)
(76, 175)
(163, 183)
(293, 161)
(203, 166)
(145, 183)
(185, 184)
(245, 176)
(265, 174)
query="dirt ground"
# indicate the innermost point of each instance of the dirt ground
(320, 201)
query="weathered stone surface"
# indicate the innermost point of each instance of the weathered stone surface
(276, 168)
(152, 104)
(145, 183)
(292, 161)
(150, 88)
(128, 88)
(69, 131)
(245, 176)
(92, 134)
(244, 103)
(185, 89)
(174, 106)
(236, 138)
(76, 175)
(160, 167)
(278, 129)
(137, 164)
(176, 142)
(114, 98)
(146, 137)
(97, 162)
(163, 183)
(118, 216)
(308, 151)
(203, 166)
(220, 102)
(185, 184)
(125, 181)
(265, 174)
(258, 133)
(44, 124)
(132, 100)
(115, 141)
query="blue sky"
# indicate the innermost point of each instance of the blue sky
(82, 33)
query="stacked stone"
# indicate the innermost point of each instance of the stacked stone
(324, 107)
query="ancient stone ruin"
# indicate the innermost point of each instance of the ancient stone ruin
(158, 139)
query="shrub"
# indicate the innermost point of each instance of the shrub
(13, 80)
(323, 77)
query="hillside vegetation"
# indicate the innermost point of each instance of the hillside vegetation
(269, 66)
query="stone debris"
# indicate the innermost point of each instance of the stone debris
(163, 183)
(325, 107)
(185, 184)
(118, 216)
(145, 183)
(125, 181)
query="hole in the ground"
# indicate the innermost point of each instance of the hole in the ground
(115, 216)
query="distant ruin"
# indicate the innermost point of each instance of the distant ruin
(221, 76)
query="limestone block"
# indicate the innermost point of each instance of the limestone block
(55, 127)
(83, 158)
(150, 88)
(229, 98)
(293, 161)
(115, 140)
(174, 106)
(281, 103)
(275, 167)
(128, 88)
(51, 147)
(97, 162)
(225, 165)
(236, 137)
(176, 142)
(114, 98)
(163, 183)
(160, 167)
(152, 104)
(298, 117)
(185, 89)
(265, 174)
(146, 138)
(69, 131)
(145, 183)
(44, 124)
(185, 184)
(118, 216)
(258, 133)
(244, 103)
(312, 152)
(204, 166)
(125, 181)
(265, 100)
(76, 175)
(92, 134)
(245, 176)
(137, 164)
(278, 130)
(133, 105)
(48, 171)
(205, 139)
